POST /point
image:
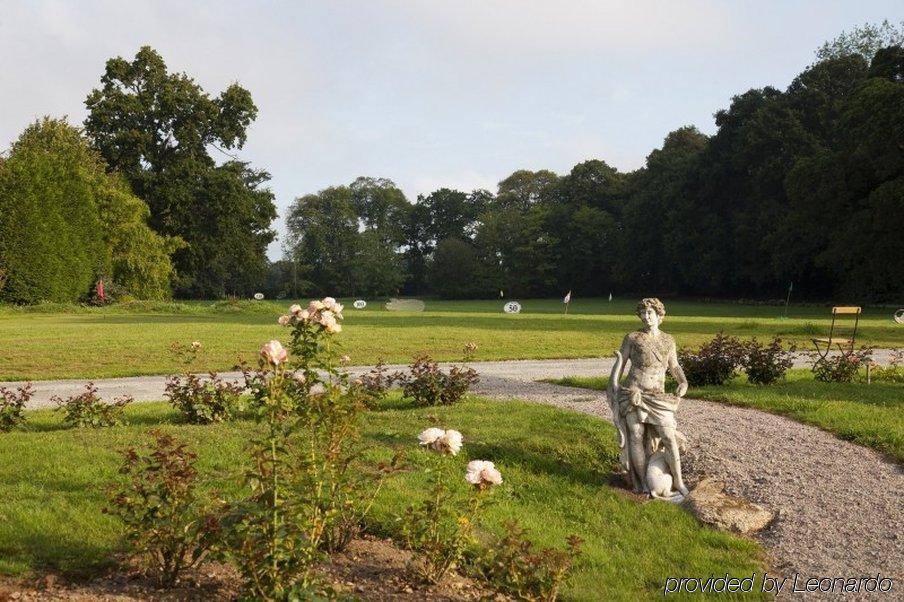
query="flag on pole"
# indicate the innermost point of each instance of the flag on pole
(500, 294)
(610, 297)
(567, 298)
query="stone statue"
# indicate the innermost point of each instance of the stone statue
(643, 412)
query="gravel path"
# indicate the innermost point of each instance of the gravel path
(151, 388)
(840, 506)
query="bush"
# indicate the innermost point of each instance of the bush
(427, 385)
(204, 400)
(842, 368)
(440, 528)
(513, 566)
(12, 406)
(201, 401)
(894, 372)
(65, 221)
(89, 410)
(167, 524)
(307, 489)
(765, 364)
(715, 363)
(372, 387)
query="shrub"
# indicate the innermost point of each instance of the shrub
(765, 364)
(308, 493)
(440, 528)
(427, 385)
(513, 566)
(89, 410)
(166, 522)
(715, 363)
(200, 400)
(894, 372)
(65, 220)
(12, 406)
(204, 400)
(841, 368)
(372, 387)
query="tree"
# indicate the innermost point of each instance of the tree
(455, 272)
(654, 193)
(864, 41)
(323, 240)
(523, 189)
(156, 128)
(381, 207)
(64, 223)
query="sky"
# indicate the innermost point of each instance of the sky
(430, 94)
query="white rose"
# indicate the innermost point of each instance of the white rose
(430, 435)
(482, 472)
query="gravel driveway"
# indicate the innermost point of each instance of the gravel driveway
(840, 506)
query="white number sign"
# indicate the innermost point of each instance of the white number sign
(512, 307)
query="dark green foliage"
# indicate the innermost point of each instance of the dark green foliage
(715, 363)
(156, 127)
(12, 406)
(167, 524)
(51, 238)
(89, 410)
(765, 364)
(514, 566)
(455, 272)
(64, 223)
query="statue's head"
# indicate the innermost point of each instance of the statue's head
(651, 311)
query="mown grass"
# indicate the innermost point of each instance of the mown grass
(555, 464)
(61, 341)
(871, 415)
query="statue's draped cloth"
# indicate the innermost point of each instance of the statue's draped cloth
(651, 404)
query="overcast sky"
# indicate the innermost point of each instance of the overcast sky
(429, 93)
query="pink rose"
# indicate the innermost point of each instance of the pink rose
(274, 353)
(284, 320)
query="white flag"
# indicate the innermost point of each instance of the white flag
(567, 298)
(610, 296)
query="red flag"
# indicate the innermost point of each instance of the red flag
(99, 289)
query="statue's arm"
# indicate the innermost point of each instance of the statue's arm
(676, 372)
(625, 353)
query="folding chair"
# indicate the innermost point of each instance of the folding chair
(845, 344)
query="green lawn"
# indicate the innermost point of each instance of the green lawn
(53, 341)
(871, 415)
(555, 465)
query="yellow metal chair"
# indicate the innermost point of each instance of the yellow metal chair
(837, 335)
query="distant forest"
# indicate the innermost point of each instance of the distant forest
(804, 185)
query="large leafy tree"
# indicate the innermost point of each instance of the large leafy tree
(158, 129)
(65, 222)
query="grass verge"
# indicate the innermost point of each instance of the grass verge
(555, 464)
(870, 415)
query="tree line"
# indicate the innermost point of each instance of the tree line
(803, 185)
(135, 198)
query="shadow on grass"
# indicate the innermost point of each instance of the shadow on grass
(140, 420)
(67, 554)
